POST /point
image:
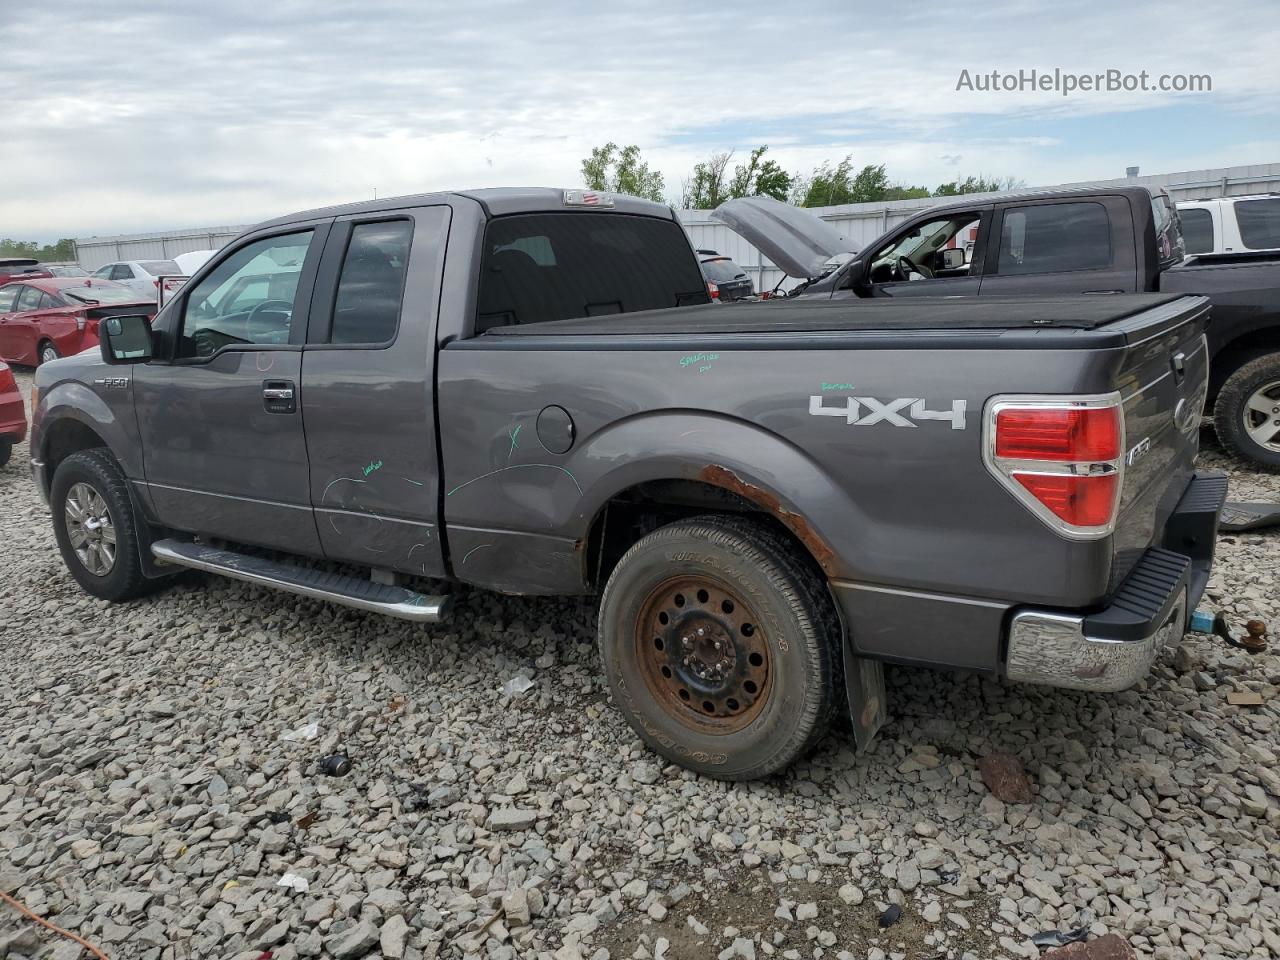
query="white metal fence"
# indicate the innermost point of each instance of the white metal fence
(861, 222)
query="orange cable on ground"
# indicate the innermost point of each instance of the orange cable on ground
(56, 929)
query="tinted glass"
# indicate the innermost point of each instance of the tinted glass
(7, 297)
(1055, 238)
(248, 298)
(104, 272)
(1197, 229)
(48, 302)
(161, 268)
(121, 271)
(557, 266)
(1259, 222)
(367, 307)
(719, 270)
(29, 299)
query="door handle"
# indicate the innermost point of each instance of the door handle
(278, 396)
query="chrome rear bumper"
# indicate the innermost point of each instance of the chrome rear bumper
(1054, 649)
(1113, 648)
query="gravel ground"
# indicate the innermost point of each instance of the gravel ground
(152, 801)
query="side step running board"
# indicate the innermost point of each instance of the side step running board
(317, 584)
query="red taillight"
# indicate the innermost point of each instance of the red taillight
(1062, 457)
(1079, 501)
(713, 290)
(1087, 433)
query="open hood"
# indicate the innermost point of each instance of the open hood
(797, 241)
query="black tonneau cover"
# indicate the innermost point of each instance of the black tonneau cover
(1080, 312)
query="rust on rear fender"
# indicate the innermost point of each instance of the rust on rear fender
(726, 479)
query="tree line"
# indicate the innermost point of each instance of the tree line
(711, 182)
(49, 252)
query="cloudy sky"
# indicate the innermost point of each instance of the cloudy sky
(141, 116)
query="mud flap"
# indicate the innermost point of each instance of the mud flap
(864, 686)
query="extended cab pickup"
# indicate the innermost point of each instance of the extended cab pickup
(1095, 241)
(527, 390)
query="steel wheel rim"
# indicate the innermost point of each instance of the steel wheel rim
(90, 529)
(702, 654)
(1262, 416)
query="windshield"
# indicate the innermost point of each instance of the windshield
(161, 268)
(98, 294)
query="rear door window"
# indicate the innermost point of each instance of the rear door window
(1259, 222)
(1054, 238)
(1197, 229)
(371, 287)
(121, 271)
(559, 266)
(29, 299)
(8, 295)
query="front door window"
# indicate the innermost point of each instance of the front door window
(248, 298)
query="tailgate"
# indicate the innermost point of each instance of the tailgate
(1163, 380)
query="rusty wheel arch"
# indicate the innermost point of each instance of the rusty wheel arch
(639, 509)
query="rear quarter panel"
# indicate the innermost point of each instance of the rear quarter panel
(908, 506)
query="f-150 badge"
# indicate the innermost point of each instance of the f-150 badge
(868, 411)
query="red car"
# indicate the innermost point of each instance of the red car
(41, 320)
(22, 268)
(13, 414)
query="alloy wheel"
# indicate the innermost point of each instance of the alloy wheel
(90, 529)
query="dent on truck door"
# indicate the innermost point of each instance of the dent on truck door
(368, 389)
(222, 435)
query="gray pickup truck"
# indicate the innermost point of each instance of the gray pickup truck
(527, 391)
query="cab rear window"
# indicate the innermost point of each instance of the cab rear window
(561, 266)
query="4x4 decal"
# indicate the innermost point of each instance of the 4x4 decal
(868, 411)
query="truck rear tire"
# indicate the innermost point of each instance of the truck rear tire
(1246, 415)
(6, 451)
(721, 646)
(93, 522)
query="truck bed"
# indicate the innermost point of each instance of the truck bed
(1070, 313)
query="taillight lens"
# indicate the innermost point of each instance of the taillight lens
(713, 290)
(1088, 433)
(1061, 456)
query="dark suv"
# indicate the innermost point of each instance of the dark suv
(725, 279)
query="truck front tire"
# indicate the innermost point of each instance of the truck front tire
(1246, 415)
(93, 522)
(721, 647)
